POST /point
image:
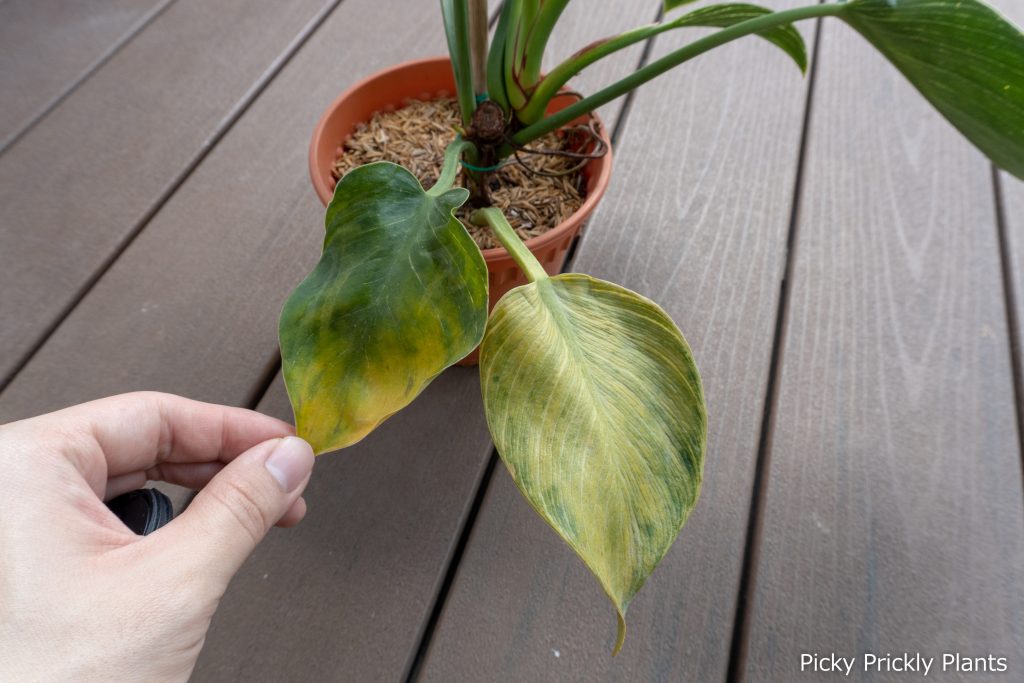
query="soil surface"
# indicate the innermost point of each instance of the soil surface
(416, 135)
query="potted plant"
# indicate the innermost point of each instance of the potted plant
(591, 393)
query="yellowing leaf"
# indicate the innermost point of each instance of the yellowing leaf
(596, 407)
(399, 294)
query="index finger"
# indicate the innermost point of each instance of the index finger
(136, 431)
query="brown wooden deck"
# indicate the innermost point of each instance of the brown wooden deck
(848, 270)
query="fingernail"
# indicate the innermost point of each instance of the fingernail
(290, 462)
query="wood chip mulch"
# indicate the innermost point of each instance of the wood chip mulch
(416, 135)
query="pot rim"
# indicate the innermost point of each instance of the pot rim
(493, 254)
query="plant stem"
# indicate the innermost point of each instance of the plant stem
(549, 86)
(670, 61)
(456, 28)
(540, 32)
(505, 234)
(516, 27)
(478, 44)
(450, 168)
(496, 59)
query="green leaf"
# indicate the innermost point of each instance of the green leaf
(785, 36)
(596, 407)
(455, 15)
(670, 5)
(399, 294)
(966, 60)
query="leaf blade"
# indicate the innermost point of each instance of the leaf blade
(964, 58)
(669, 5)
(399, 294)
(566, 366)
(785, 37)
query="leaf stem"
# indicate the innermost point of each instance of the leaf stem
(503, 231)
(670, 61)
(540, 33)
(496, 59)
(456, 27)
(478, 44)
(450, 168)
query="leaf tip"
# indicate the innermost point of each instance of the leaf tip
(620, 637)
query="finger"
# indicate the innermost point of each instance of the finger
(130, 432)
(190, 475)
(233, 513)
(294, 515)
(123, 484)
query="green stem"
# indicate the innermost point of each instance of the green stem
(538, 38)
(560, 75)
(478, 44)
(505, 234)
(456, 27)
(496, 59)
(516, 27)
(450, 167)
(670, 61)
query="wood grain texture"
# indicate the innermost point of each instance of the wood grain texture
(78, 184)
(893, 503)
(696, 218)
(47, 46)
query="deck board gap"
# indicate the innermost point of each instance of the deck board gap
(741, 625)
(246, 101)
(451, 569)
(1010, 299)
(627, 102)
(127, 37)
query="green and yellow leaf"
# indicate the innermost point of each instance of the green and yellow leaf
(596, 407)
(399, 294)
(965, 58)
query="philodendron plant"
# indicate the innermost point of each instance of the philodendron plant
(590, 390)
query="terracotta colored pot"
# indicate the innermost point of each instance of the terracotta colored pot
(426, 79)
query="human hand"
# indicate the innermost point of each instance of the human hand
(82, 598)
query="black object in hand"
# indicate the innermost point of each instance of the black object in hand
(143, 510)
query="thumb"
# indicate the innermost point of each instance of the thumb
(231, 514)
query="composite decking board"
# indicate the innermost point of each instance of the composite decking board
(83, 180)
(47, 46)
(892, 518)
(697, 218)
